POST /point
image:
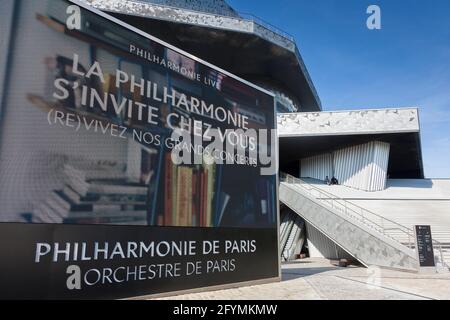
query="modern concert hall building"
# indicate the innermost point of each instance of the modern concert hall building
(374, 154)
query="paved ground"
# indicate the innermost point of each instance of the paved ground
(319, 280)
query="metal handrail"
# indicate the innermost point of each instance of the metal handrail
(239, 16)
(347, 208)
(363, 218)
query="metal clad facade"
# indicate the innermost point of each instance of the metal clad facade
(7, 10)
(362, 167)
(348, 122)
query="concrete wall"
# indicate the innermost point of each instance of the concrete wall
(348, 122)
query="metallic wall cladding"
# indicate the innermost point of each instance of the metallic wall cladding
(375, 121)
(256, 48)
(362, 167)
(317, 167)
(364, 243)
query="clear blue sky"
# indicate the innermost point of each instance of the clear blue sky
(406, 63)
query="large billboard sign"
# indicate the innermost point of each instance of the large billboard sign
(127, 166)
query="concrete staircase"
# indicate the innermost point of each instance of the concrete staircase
(292, 234)
(361, 237)
(370, 238)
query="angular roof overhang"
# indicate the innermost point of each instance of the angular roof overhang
(307, 134)
(247, 47)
